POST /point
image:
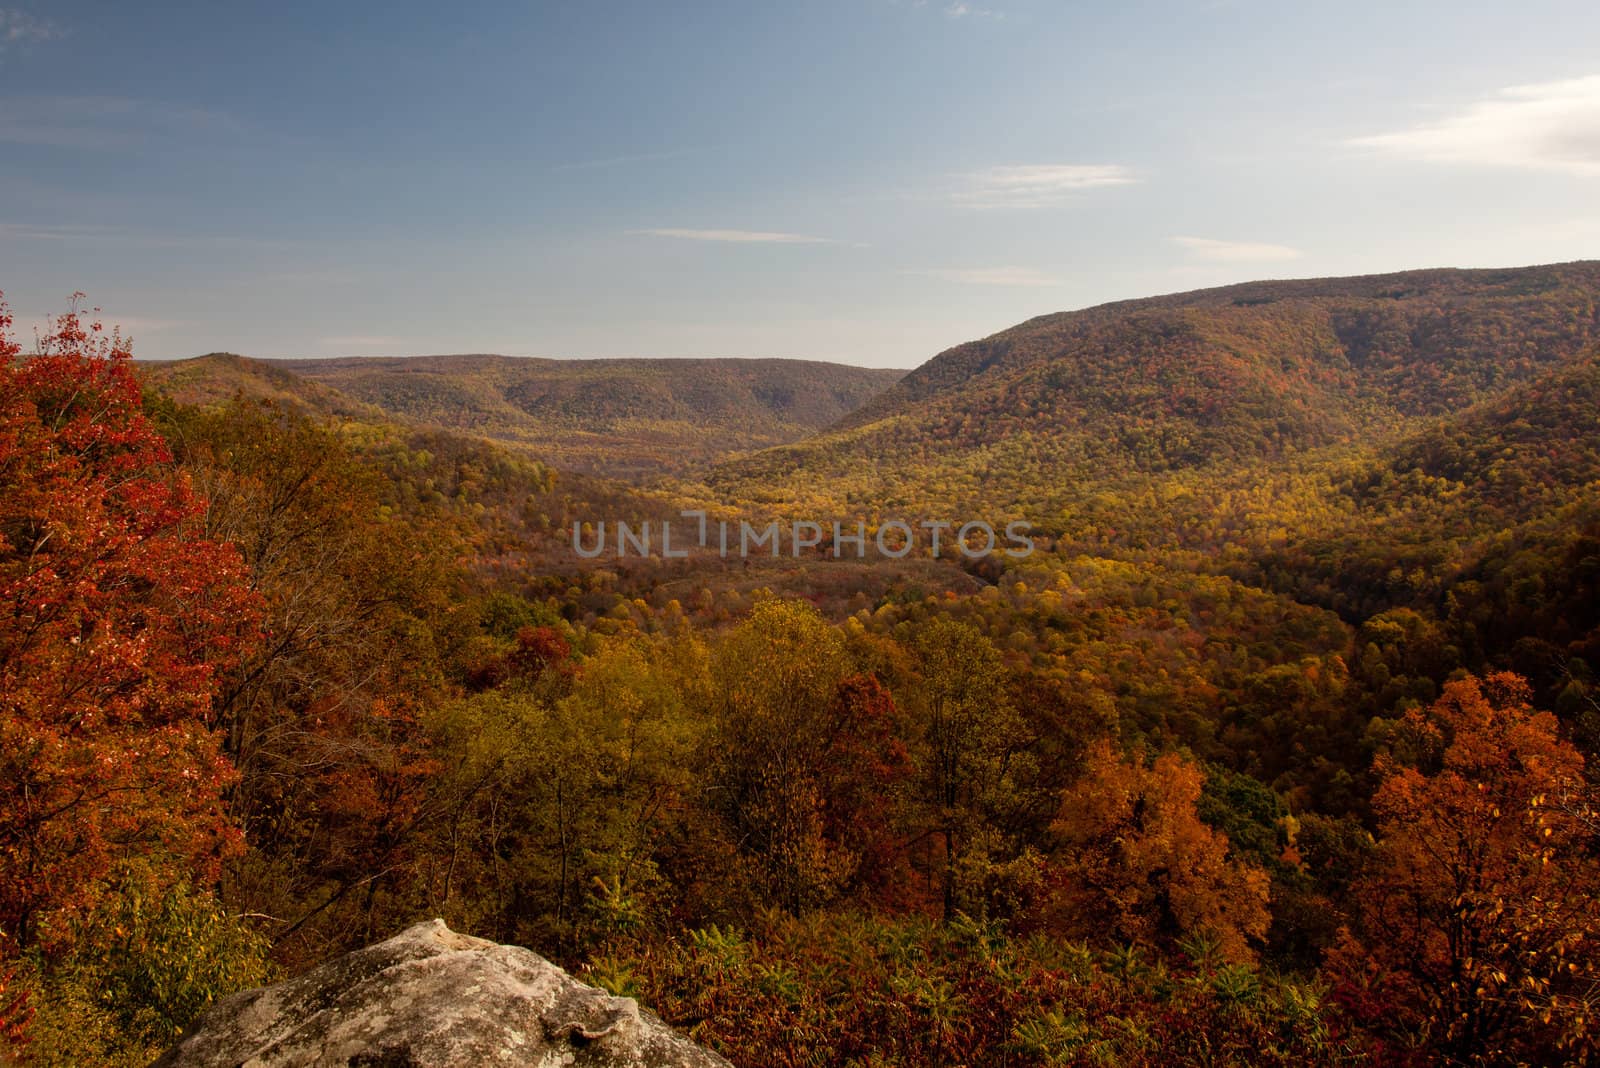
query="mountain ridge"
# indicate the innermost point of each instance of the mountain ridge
(987, 351)
(631, 418)
(1041, 417)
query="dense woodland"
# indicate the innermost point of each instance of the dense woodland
(619, 418)
(1277, 750)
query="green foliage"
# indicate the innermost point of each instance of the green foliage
(144, 967)
(553, 798)
(503, 614)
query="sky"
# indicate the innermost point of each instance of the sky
(865, 181)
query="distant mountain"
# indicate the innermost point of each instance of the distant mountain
(1421, 450)
(511, 504)
(1054, 412)
(1427, 339)
(614, 417)
(620, 418)
(219, 376)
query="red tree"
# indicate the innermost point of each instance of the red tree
(115, 618)
(865, 766)
(537, 649)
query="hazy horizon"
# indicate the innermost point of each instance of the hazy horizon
(145, 358)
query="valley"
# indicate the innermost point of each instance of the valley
(1303, 553)
(866, 533)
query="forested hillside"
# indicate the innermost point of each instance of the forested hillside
(619, 418)
(1043, 419)
(1278, 749)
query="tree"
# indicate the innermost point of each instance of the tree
(774, 678)
(864, 767)
(146, 964)
(321, 719)
(1137, 862)
(1475, 931)
(537, 648)
(969, 729)
(808, 755)
(116, 619)
(15, 1011)
(540, 801)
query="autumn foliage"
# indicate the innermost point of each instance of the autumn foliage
(15, 1012)
(1233, 770)
(1138, 861)
(1476, 931)
(116, 620)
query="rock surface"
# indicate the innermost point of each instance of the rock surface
(431, 998)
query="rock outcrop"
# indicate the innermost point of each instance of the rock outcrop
(432, 998)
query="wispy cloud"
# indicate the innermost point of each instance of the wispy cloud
(1205, 248)
(360, 341)
(101, 122)
(69, 232)
(961, 10)
(992, 276)
(1038, 185)
(736, 237)
(132, 325)
(302, 276)
(1552, 126)
(19, 28)
(619, 161)
(954, 9)
(129, 326)
(14, 233)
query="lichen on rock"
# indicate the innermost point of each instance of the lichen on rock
(432, 998)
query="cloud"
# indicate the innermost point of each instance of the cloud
(32, 232)
(1038, 185)
(20, 232)
(619, 161)
(311, 277)
(129, 326)
(993, 276)
(1552, 126)
(1206, 248)
(20, 28)
(102, 122)
(360, 341)
(736, 237)
(954, 9)
(133, 324)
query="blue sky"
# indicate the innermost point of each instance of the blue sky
(868, 181)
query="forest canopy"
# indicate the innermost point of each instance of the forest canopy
(1278, 749)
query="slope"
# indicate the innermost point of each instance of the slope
(621, 418)
(1042, 419)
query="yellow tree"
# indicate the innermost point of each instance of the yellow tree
(774, 680)
(970, 730)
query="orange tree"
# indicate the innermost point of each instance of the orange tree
(1139, 864)
(1476, 935)
(116, 619)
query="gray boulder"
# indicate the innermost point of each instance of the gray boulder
(432, 998)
